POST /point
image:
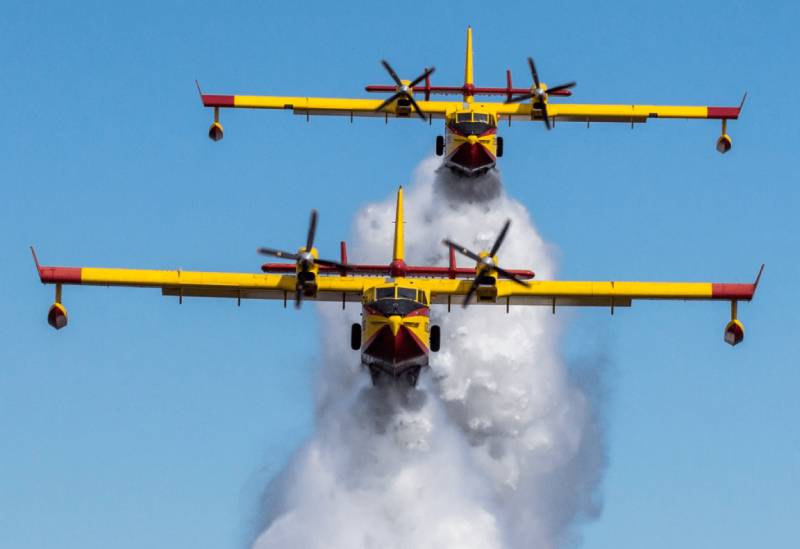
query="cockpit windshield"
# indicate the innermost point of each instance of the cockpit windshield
(397, 300)
(407, 293)
(384, 293)
(469, 123)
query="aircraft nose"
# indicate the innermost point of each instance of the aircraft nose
(395, 321)
(472, 139)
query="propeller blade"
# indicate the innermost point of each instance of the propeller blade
(545, 116)
(279, 253)
(535, 74)
(512, 276)
(519, 98)
(461, 249)
(500, 238)
(312, 230)
(566, 86)
(416, 108)
(298, 297)
(426, 73)
(391, 72)
(473, 287)
(388, 101)
(331, 263)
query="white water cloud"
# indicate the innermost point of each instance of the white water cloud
(499, 447)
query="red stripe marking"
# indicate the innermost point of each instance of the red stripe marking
(724, 112)
(218, 100)
(733, 291)
(460, 90)
(281, 267)
(422, 311)
(395, 348)
(65, 275)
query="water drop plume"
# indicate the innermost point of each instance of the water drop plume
(500, 446)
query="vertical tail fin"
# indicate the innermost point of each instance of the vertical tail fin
(398, 250)
(468, 75)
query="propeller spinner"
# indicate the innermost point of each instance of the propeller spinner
(486, 262)
(306, 258)
(404, 90)
(538, 94)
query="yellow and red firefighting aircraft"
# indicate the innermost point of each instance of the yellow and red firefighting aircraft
(395, 336)
(470, 145)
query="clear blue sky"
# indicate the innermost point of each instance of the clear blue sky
(146, 424)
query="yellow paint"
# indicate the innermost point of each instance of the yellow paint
(398, 249)
(468, 72)
(597, 113)
(395, 321)
(337, 106)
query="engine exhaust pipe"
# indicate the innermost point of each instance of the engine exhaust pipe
(57, 316)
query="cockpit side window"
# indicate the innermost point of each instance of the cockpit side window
(407, 293)
(384, 293)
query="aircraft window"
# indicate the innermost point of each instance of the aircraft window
(464, 117)
(384, 293)
(423, 298)
(472, 128)
(480, 117)
(407, 293)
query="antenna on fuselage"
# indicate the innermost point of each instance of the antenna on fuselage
(398, 250)
(468, 74)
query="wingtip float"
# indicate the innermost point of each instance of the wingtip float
(395, 336)
(470, 145)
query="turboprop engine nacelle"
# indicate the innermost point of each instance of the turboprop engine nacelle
(724, 143)
(734, 332)
(57, 316)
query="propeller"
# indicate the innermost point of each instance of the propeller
(305, 259)
(404, 90)
(485, 262)
(539, 94)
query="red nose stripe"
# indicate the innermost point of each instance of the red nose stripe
(472, 155)
(395, 348)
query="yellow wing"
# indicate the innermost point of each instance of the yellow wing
(208, 284)
(609, 113)
(329, 105)
(555, 293)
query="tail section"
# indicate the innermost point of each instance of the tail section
(468, 74)
(398, 251)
